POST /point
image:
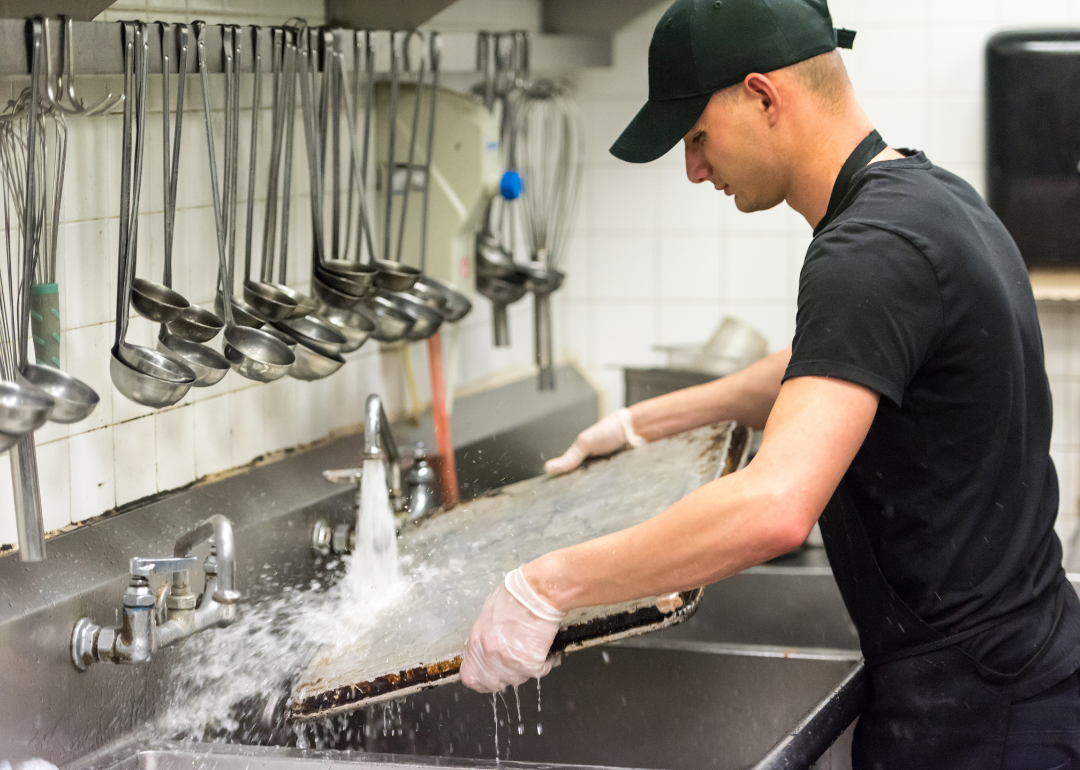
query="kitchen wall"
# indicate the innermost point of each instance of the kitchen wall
(659, 261)
(125, 452)
(654, 259)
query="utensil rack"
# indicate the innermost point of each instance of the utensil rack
(97, 48)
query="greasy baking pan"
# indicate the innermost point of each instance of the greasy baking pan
(454, 559)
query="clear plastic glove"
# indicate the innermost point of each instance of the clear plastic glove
(609, 435)
(510, 641)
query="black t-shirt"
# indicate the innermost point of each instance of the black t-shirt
(916, 290)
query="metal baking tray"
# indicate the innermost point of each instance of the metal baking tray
(456, 558)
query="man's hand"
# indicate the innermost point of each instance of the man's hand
(609, 435)
(510, 641)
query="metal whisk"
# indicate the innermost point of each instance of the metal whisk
(550, 149)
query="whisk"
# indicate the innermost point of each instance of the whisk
(549, 148)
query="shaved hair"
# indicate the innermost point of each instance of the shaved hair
(824, 76)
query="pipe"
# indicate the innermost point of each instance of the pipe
(220, 528)
(444, 442)
(379, 442)
(28, 514)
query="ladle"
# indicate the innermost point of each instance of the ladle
(354, 327)
(390, 321)
(456, 306)
(75, 400)
(209, 366)
(394, 276)
(157, 301)
(267, 299)
(314, 332)
(426, 320)
(254, 354)
(283, 119)
(143, 375)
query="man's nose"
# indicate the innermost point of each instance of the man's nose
(698, 169)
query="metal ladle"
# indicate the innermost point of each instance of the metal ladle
(268, 300)
(254, 354)
(209, 366)
(194, 324)
(143, 375)
(157, 301)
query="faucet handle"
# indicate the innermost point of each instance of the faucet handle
(344, 475)
(142, 566)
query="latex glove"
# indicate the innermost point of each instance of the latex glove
(510, 641)
(609, 435)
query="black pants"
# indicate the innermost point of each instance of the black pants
(1044, 731)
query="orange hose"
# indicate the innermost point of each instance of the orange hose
(444, 443)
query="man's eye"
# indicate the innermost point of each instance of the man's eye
(699, 137)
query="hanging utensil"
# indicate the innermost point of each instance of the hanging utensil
(550, 149)
(143, 375)
(195, 324)
(253, 353)
(158, 302)
(209, 366)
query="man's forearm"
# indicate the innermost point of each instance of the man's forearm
(712, 533)
(746, 397)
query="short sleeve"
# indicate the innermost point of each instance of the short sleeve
(869, 310)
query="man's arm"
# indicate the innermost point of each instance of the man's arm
(746, 397)
(813, 432)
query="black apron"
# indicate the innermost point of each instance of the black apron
(932, 705)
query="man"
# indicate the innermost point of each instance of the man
(911, 415)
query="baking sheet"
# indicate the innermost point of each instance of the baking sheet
(456, 558)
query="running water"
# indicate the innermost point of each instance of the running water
(279, 635)
(373, 567)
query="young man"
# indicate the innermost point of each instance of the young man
(911, 415)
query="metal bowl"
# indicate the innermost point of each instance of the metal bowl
(268, 301)
(390, 321)
(328, 295)
(540, 279)
(196, 324)
(209, 366)
(23, 408)
(243, 313)
(426, 321)
(312, 365)
(148, 377)
(457, 304)
(316, 333)
(501, 290)
(354, 327)
(158, 303)
(345, 283)
(304, 303)
(350, 268)
(257, 355)
(285, 339)
(435, 300)
(394, 276)
(75, 400)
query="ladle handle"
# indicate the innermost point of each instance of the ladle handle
(290, 135)
(223, 269)
(256, 104)
(435, 54)
(365, 223)
(123, 256)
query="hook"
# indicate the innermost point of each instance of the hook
(68, 75)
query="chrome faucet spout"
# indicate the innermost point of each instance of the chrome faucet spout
(379, 444)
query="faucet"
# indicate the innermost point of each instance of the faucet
(412, 504)
(150, 622)
(379, 444)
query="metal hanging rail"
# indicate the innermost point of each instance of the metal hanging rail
(97, 49)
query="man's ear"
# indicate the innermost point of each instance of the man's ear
(760, 88)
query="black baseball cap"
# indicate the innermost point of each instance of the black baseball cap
(703, 46)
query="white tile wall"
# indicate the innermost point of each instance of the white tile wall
(654, 260)
(918, 69)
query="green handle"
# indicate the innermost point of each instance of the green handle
(45, 323)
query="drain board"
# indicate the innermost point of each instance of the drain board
(461, 555)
